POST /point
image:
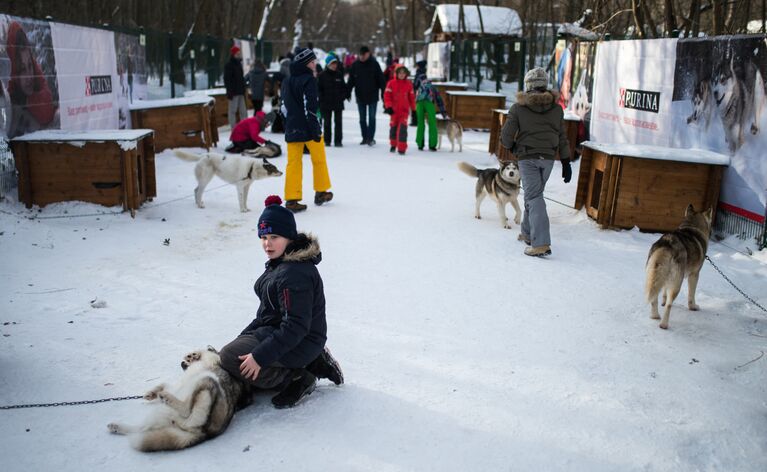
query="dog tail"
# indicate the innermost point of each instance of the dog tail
(186, 155)
(165, 439)
(658, 272)
(468, 169)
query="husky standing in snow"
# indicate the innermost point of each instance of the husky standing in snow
(232, 168)
(676, 255)
(199, 407)
(501, 184)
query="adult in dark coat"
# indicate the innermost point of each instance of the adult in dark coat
(284, 346)
(256, 79)
(302, 129)
(367, 80)
(534, 131)
(333, 92)
(234, 82)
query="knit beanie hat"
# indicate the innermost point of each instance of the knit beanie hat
(304, 56)
(330, 58)
(536, 79)
(364, 49)
(276, 219)
(234, 50)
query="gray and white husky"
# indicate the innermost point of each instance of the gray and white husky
(501, 184)
(738, 92)
(454, 132)
(676, 255)
(199, 407)
(232, 168)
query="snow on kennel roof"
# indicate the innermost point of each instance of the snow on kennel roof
(497, 21)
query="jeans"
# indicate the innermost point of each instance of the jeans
(368, 120)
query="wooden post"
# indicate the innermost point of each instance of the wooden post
(21, 155)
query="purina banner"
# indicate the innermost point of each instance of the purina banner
(87, 75)
(59, 76)
(690, 94)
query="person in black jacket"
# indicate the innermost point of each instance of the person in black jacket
(333, 92)
(234, 82)
(284, 346)
(367, 80)
(256, 79)
(302, 129)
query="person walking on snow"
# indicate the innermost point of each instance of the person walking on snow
(256, 78)
(427, 97)
(302, 128)
(367, 80)
(534, 131)
(283, 348)
(234, 82)
(333, 92)
(399, 100)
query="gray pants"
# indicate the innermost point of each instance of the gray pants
(268, 378)
(237, 104)
(535, 222)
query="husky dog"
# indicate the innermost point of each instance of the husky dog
(501, 184)
(702, 104)
(579, 104)
(738, 91)
(199, 407)
(676, 255)
(233, 168)
(454, 132)
(269, 149)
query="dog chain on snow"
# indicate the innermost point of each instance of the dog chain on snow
(736, 287)
(84, 402)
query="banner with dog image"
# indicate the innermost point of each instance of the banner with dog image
(131, 84)
(690, 94)
(29, 99)
(87, 75)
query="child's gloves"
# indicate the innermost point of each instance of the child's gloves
(389, 110)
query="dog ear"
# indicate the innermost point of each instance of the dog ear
(212, 349)
(689, 210)
(709, 214)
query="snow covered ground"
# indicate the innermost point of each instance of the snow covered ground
(460, 353)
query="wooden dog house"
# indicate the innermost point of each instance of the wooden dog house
(444, 87)
(649, 187)
(108, 167)
(474, 109)
(178, 122)
(222, 103)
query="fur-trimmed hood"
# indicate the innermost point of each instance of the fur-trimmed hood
(538, 101)
(305, 248)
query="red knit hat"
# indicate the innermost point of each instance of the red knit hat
(234, 50)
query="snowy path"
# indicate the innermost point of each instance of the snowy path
(460, 353)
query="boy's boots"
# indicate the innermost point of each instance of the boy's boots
(325, 366)
(322, 197)
(300, 384)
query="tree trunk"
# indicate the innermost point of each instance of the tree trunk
(669, 17)
(298, 26)
(718, 17)
(328, 17)
(636, 9)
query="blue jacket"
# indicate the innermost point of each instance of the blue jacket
(290, 323)
(299, 96)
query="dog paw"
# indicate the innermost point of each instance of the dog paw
(654, 316)
(754, 129)
(163, 397)
(693, 306)
(663, 326)
(507, 226)
(477, 217)
(113, 428)
(517, 220)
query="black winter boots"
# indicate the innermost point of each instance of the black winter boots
(325, 366)
(301, 384)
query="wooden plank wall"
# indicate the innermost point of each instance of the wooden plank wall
(173, 126)
(474, 111)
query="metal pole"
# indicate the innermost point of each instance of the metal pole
(170, 66)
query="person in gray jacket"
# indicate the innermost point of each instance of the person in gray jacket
(534, 132)
(256, 78)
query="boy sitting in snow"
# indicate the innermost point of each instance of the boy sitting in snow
(283, 348)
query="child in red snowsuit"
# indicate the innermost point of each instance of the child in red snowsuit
(399, 100)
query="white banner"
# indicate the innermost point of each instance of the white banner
(87, 77)
(690, 94)
(438, 61)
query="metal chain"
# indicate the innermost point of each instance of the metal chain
(735, 286)
(84, 402)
